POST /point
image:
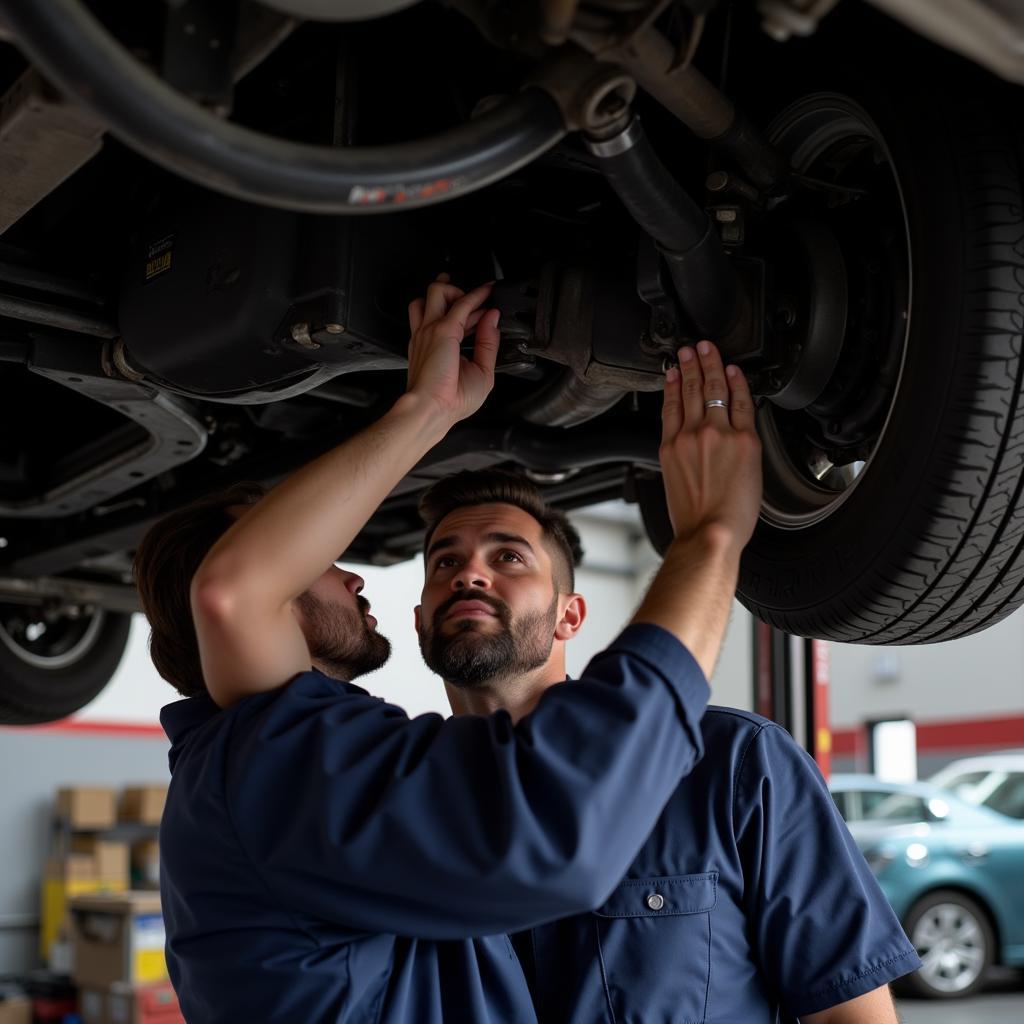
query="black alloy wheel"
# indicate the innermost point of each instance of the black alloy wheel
(54, 661)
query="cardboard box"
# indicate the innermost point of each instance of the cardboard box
(16, 1010)
(87, 807)
(117, 938)
(110, 859)
(92, 1006)
(143, 1004)
(63, 879)
(144, 804)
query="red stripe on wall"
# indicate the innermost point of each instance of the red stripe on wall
(955, 734)
(95, 728)
(848, 742)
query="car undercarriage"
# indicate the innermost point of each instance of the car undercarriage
(213, 216)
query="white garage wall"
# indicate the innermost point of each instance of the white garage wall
(976, 677)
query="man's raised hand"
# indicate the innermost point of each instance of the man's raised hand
(710, 454)
(438, 372)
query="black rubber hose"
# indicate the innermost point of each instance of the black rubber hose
(74, 50)
(705, 280)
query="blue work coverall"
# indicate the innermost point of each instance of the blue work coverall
(327, 859)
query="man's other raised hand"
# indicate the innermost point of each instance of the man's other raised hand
(438, 371)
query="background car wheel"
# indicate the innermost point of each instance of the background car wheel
(894, 500)
(956, 944)
(51, 664)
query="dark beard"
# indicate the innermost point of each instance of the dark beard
(341, 639)
(470, 657)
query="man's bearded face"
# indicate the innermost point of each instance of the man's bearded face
(475, 651)
(340, 638)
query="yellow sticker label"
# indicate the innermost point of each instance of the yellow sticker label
(158, 256)
(158, 265)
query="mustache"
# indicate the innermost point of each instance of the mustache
(362, 604)
(446, 606)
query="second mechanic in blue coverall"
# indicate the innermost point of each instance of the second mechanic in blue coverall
(749, 899)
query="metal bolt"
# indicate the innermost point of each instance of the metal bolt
(785, 316)
(717, 181)
(300, 335)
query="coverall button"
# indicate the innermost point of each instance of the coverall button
(655, 901)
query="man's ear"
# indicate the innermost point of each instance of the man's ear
(571, 618)
(416, 617)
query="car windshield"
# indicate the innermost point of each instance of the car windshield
(895, 807)
(974, 787)
(1008, 796)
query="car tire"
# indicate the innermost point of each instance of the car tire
(954, 938)
(51, 667)
(924, 542)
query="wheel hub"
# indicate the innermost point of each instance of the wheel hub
(50, 639)
(841, 260)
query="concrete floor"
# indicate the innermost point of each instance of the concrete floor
(1002, 1002)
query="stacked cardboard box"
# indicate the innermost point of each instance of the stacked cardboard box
(117, 937)
(15, 1008)
(143, 804)
(131, 1004)
(83, 861)
(118, 956)
(87, 808)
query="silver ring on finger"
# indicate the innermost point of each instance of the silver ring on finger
(716, 403)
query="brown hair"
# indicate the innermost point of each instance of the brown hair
(165, 562)
(499, 486)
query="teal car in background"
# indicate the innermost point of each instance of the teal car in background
(954, 874)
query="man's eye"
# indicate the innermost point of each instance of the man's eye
(510, 556)
(445, 563)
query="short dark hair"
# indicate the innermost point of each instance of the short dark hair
(165, 562)
(502, 487)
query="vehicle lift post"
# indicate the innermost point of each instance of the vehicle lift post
(791, 674)
(791, 683)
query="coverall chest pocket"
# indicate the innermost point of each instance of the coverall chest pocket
(654, 946)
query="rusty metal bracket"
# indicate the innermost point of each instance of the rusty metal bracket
(591, 96)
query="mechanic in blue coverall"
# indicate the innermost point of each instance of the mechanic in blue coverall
(749, 899)
(324, 857)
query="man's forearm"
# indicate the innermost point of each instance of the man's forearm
(277, 550)
(691, 595)
(875, 1007)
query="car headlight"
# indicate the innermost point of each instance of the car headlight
(916, 854)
